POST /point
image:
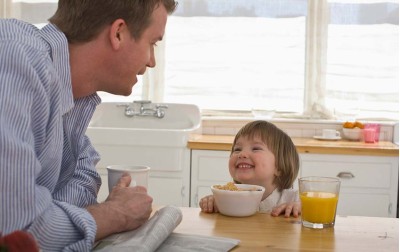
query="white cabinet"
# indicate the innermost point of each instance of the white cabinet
(170, 188)
(167, 187)
(369, 184)
(208, 168)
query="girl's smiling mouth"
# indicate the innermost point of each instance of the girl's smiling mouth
(244, 166)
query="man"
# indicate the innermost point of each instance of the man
(48, 84)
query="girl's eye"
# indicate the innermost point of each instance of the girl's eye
(236, 149)
(257, 148)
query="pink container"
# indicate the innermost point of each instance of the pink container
(369, 135)
(376, 127)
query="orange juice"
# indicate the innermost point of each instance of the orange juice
(318, 207)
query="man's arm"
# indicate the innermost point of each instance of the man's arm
(31, 147)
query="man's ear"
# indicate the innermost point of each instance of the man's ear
(117, 31)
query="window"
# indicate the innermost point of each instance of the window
(362, 58)
(237, 55)
(33, 11)
(317, 58)
(302, 58)
(219, 52)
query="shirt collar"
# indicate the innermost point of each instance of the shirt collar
(58, 50)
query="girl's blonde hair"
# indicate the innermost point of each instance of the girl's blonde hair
(280, 144)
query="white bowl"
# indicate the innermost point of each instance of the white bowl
(238, 203)
(352, 134)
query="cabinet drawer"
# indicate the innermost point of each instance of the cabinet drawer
(368, 172)
(172, 192)
(213, 166)
(362, 204)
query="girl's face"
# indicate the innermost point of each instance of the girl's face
(252, 162)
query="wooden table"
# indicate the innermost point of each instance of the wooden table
(262, 232)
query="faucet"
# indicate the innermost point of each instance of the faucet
(143, 111)
(129, 111)
(157, 111)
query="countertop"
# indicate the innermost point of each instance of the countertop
(262, 232)
(304, 145)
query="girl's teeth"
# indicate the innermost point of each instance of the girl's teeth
(244, 166)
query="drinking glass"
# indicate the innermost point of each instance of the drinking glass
(319, 197)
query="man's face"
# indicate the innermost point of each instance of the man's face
(137, 54)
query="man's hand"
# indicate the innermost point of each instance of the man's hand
(126, 208)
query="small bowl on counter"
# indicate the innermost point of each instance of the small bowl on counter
(238, 200)
(263, 114)
(353, 134)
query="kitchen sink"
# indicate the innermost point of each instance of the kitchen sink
(130, 138)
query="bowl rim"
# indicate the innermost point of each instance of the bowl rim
(352, 129)
(227, 198)
(261, 188)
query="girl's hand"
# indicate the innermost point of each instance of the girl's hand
(207, 204)
(291, 208)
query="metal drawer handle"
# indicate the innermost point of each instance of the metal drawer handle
(345, 175)
(183, 191)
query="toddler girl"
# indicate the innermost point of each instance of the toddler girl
(262, 154)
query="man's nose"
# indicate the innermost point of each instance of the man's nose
(152, 60)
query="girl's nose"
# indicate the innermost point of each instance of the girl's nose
(243, 154)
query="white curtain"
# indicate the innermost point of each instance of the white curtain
(154, 78)
(316, 52)
(5, 8)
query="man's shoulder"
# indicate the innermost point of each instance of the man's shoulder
(14, 28)
(18, 35)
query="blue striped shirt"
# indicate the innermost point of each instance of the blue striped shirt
(47, 164)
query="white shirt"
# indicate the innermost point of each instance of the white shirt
(276, 198)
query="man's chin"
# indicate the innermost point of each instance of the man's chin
(126, 92)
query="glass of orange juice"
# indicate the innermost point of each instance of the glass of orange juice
(319, 197)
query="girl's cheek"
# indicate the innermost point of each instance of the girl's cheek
(232, 160)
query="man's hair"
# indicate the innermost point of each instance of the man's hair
(280, 144)
(82, 20)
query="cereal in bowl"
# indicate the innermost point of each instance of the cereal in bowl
(230, 186)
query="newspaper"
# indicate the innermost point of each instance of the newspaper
(156, 235)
